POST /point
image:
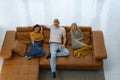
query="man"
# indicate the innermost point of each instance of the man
(57, 48)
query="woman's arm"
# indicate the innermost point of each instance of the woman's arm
(41, 33)
(39, 39)
(80, 39)
(32, 40)
(81, 35)
(73, 38)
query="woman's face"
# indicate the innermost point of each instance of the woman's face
(74, 28)
(37, 29)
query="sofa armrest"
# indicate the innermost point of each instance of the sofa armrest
(8, 42)
(98, 45)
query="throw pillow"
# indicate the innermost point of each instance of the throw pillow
(19, 48)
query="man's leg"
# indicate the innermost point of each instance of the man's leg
(63, 51)
(49, 55)
(53, 49)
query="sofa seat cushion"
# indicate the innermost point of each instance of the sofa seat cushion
(19, 48)
(18, 68)
(72, 62)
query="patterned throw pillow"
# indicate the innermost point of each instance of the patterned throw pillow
(19, 48)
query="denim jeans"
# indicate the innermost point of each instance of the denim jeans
(36, 50)
(54, 47)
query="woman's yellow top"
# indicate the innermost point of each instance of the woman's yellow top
(36, 36)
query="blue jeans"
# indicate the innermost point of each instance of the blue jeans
(54, 47)
(36, 50)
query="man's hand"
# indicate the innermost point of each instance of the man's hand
(63, 46)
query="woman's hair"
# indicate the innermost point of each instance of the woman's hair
(35, 26)
(74, 24)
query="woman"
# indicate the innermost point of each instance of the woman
(36, 43)
(80, 48)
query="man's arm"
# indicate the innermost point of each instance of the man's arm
(64, 40)
(45, 26)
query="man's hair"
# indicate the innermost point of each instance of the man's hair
(56, 21)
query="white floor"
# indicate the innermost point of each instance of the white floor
(111, 64)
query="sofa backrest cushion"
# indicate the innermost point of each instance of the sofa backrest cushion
(46, 33)
(22, 34)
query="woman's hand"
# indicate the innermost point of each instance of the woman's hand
(76, 40)
(80, 39)
(39, 39)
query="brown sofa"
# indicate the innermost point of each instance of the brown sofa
(16, 67)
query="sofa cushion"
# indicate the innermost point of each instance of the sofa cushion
(8, 42)
(24, 29)
(87, 37)
(23, 34)
(18, 68)
(46, 35)
(71, 62)
(68, 36)
(19, 48)
(23, 37)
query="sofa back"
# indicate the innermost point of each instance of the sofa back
(22, 34)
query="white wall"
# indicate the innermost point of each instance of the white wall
(110, 21)
(12, 14)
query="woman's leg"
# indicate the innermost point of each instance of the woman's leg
(30, 53)
(36, 50)
(39, 52)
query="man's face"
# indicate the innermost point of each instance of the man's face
(56, 24)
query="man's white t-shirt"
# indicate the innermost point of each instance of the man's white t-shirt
(56, 33)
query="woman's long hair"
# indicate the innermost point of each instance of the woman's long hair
(35, 26)
(74, 24)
